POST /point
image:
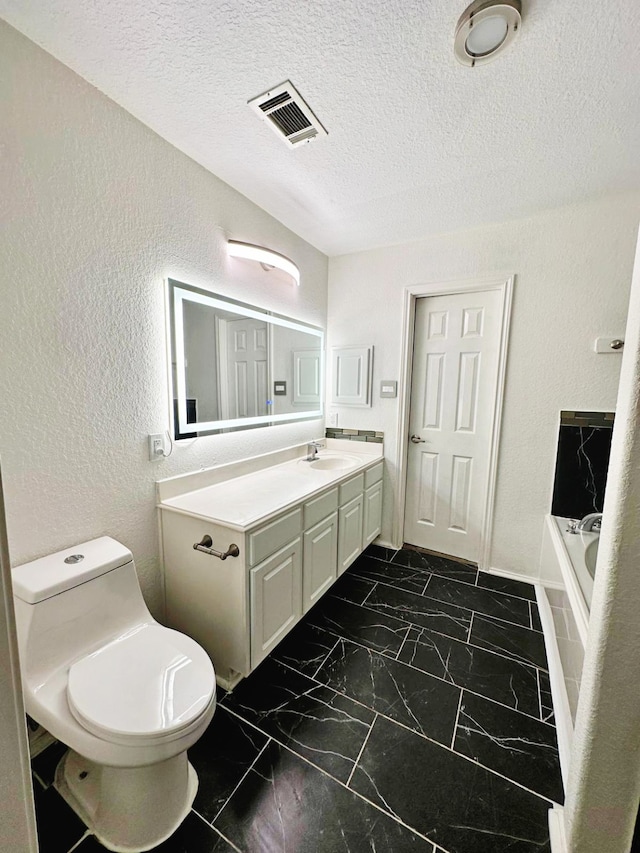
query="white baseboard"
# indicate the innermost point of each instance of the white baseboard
(564, 722)
(384, 544)
(505, 573)
(518, 576)
(556, 830)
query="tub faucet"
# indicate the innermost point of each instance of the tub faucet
(312, 450)
(591, 522)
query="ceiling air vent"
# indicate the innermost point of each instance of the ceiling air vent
(288, 114)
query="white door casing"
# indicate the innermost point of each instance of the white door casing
(18, 824)
(456, 356)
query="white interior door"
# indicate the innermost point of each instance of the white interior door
(453, 394)
(247, 368)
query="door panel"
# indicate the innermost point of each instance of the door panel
(467, 391)
(433, 391)
(428, 486)
(460, 488)
(320, 560)
(371, 523)
(276, 599)
(454, 379)
(349, 533)
(247, 366)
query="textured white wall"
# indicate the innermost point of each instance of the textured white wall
(96, 211)
(573, 268)
(604, 780)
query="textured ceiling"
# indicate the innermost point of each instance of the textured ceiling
(417, 143)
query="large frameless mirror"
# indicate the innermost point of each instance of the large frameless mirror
(235, 366)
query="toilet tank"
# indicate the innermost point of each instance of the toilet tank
(70, 603)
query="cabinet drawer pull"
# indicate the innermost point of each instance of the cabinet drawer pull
(205, 546)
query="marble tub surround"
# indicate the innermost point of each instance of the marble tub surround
(582, 463)
(367, 730)
(242, 493)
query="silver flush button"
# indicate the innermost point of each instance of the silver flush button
(74, 558)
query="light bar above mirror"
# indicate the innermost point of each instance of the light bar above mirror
(266, 257)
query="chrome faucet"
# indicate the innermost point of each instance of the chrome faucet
(312, 450)
(590, 523)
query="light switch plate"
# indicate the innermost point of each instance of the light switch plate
(388, 388)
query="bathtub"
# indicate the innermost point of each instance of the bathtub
(567, 567)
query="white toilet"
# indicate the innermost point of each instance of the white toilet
(127, 695)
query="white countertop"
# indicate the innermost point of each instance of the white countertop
(243, 501)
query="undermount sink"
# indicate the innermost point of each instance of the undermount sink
(331, 462)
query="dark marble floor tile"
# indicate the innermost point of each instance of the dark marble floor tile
(372, 629)
(59, 828)
(484, 601)
(507, 585)
(305, 648)
(421, 610)
(536, 624)
(352, 588)
(511, 640)
(413, 580)
(221, 758)
(507, 681)
(44, 765)
(285, 805)
(522, 749)
(192, 836)
(322, 726)
(460, 805)
(546, 699)
(436, 564)
(413, 698)
(380, 552)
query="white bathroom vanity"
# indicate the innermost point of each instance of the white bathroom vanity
(297, 526)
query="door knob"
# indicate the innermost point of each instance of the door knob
(417, 440)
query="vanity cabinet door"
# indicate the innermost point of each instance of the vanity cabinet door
(349, 533)
(372, 514)
(320, 561)
(276, 599)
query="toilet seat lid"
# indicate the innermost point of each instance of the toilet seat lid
(150, 682)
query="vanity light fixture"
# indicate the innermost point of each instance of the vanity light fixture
(485, 29)
(267, 258)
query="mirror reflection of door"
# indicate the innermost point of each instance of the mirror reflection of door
(243, 368)
(200, 350)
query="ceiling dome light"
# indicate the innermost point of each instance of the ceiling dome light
(485, 29)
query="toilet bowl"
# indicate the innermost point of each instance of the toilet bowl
(125, 694)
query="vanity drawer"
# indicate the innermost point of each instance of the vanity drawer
(351, 489)
(319, 508)
(373, 475)
(274, 535)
